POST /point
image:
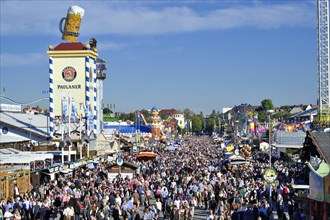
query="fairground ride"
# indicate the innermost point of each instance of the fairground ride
(323, 62)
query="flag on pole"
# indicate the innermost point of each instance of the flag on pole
(64, 109)
(73, 110)
(86, 111)
(90, 120)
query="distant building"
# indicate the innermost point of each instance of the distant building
(300, 108)
(172, 118)
(307, 115)
(167, 113)
(226, 116)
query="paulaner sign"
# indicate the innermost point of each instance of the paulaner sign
(69, 86)
(69, 74)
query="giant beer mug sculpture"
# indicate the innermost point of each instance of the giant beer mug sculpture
(70, 31)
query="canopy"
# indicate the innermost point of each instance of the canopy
(146, 154)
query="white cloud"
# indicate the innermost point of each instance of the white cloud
(102, 17)
(28, 59)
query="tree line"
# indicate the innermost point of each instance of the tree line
(198, 123)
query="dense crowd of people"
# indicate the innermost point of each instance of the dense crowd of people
(171, 186)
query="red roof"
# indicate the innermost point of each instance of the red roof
(169, 112)
(70, 46)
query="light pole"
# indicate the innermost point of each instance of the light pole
(30, 129)
(270, 111)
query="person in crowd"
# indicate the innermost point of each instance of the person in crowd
(17, 215)
(116, 212)
(68, 212)
(8, 214)
(1, 212)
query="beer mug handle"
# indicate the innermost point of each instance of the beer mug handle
(61, 25)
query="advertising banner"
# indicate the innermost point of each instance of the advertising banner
(10, 108)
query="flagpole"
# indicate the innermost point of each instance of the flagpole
(69, 114)
(80, 127)
(62, 146)
(88, 130)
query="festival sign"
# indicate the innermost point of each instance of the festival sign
(270, 175)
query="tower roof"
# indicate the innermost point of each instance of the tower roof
(71, 46)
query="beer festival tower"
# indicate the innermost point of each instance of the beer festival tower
(73, 81)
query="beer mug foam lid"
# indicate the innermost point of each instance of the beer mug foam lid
(76, 10)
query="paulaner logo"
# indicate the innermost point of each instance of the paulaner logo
(69, 73)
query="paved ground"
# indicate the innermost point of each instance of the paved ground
(200, 213)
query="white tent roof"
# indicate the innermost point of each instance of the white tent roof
(7, 138)
(22, 121)
(10, 155)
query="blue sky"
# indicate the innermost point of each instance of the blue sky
(201, 55)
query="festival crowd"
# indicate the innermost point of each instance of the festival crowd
(172, 186)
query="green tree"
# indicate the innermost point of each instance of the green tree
(262, 116)
(129, 116)
(107, 111)
(163, 116)
(211, 122)
(145, 113)
(201, 116)
(282, 116)
(267, 104)
(188, 114)
(196, 123)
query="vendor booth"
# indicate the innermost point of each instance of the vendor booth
(11, 176)
(319, 191)
(125, 170)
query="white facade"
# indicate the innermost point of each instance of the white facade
(180, 119)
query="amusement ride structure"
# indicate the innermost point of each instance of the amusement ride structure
(323, 62)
